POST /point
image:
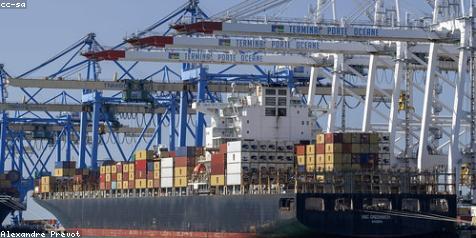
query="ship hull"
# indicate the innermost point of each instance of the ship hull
(241, 216)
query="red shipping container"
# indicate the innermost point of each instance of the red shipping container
(114, 177)
(119, 167)
(156, 183)
(333, 138)
(172, 154)
(150, 175)
(132, 184)
(346, 148)
(102, 186)
(300, 149)
(320, 148)
(108, 185)
(141, 164)
(218, 164)
(184, 161)
(141, 174)
(125, 176)
(102, 178)
(223, 149)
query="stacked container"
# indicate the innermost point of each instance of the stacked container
(167, 172)
(217, 171)
(65, 169)
(47, 184)
(183, 166)
(142, 158)
(105, 175)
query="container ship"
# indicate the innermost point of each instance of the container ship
(266, 171)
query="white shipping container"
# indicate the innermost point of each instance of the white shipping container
(166, 182)
(166, 172)
(234, 168)
(233, 179)
(167, 162)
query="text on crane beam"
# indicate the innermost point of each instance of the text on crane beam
(325, 31)
(273, 44)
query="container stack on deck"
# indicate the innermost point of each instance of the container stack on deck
(217, 168)
(342, 152)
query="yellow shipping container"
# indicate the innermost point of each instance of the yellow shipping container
(355, 148)
(156, 165)
(320, 138)
(217, 180)
(125, 168)
(310, 168)
(108, 169)
(132, 167)
(119, 185)
(156, 174)
(45, 180)
(329, 167)
(310, 149)
(131, 176)
(141, 183)
(180, 182)
(119, 176)
(320, 178)
(180, 171)
(113, 169)
(310, 159)
(333, 158)
(125, 184)
(301, 160)
(144, 155)
(320, 158)
(108, 177)
(102, 169)
(150, 183)
(333, 148)
(320, 167)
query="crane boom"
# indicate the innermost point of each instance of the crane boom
(356, 33)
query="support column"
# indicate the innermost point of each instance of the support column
(427, 101)
(397, 80)
(83, 140)
(95, 130)
(338, 60)
(453, 152)
(68, 139)
(202, 84)
(58, 147)
(172, 124)
(159, 130)
(369, 94)
(311, 94)
(3, 142)
(183, 118)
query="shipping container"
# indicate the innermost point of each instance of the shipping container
(364, 138)
(320, 159)
(150, 183)
(355, 138)
(233, 179)
(144, 155)
(223, 148)
(320, 148)
(166, 172)
(310, 168)
(320, 138)
(374, 138)
(301, 160)
(310, 159)
(333, 158)
(141, 183)
(181, 172)
(167, 162)
(185, 151)
(333, 148)
(346, 148)
(300, 149)
(166, 182)
(180, 182)
(184, 162)
(331, 138)
(346, 138)
(218, 164)
(157, 174)
(310, 149)
(320, 167)
(140, 165)
(156, 165)
(364, 148)
(217, 180)
(156, 183)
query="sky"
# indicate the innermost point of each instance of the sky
(29, 37)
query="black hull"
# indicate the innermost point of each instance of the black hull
(243, 216)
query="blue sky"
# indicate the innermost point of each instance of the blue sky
(28, 37)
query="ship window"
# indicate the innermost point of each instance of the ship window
(439, 205)
(377, 204)
(281, 101)
(248, 121)
(270, 101)
(282, 92)
(285, 204)
(282, 112)
(314, 204)
(270, 92)
(411, 204)
(343, 204)
(270, 112)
